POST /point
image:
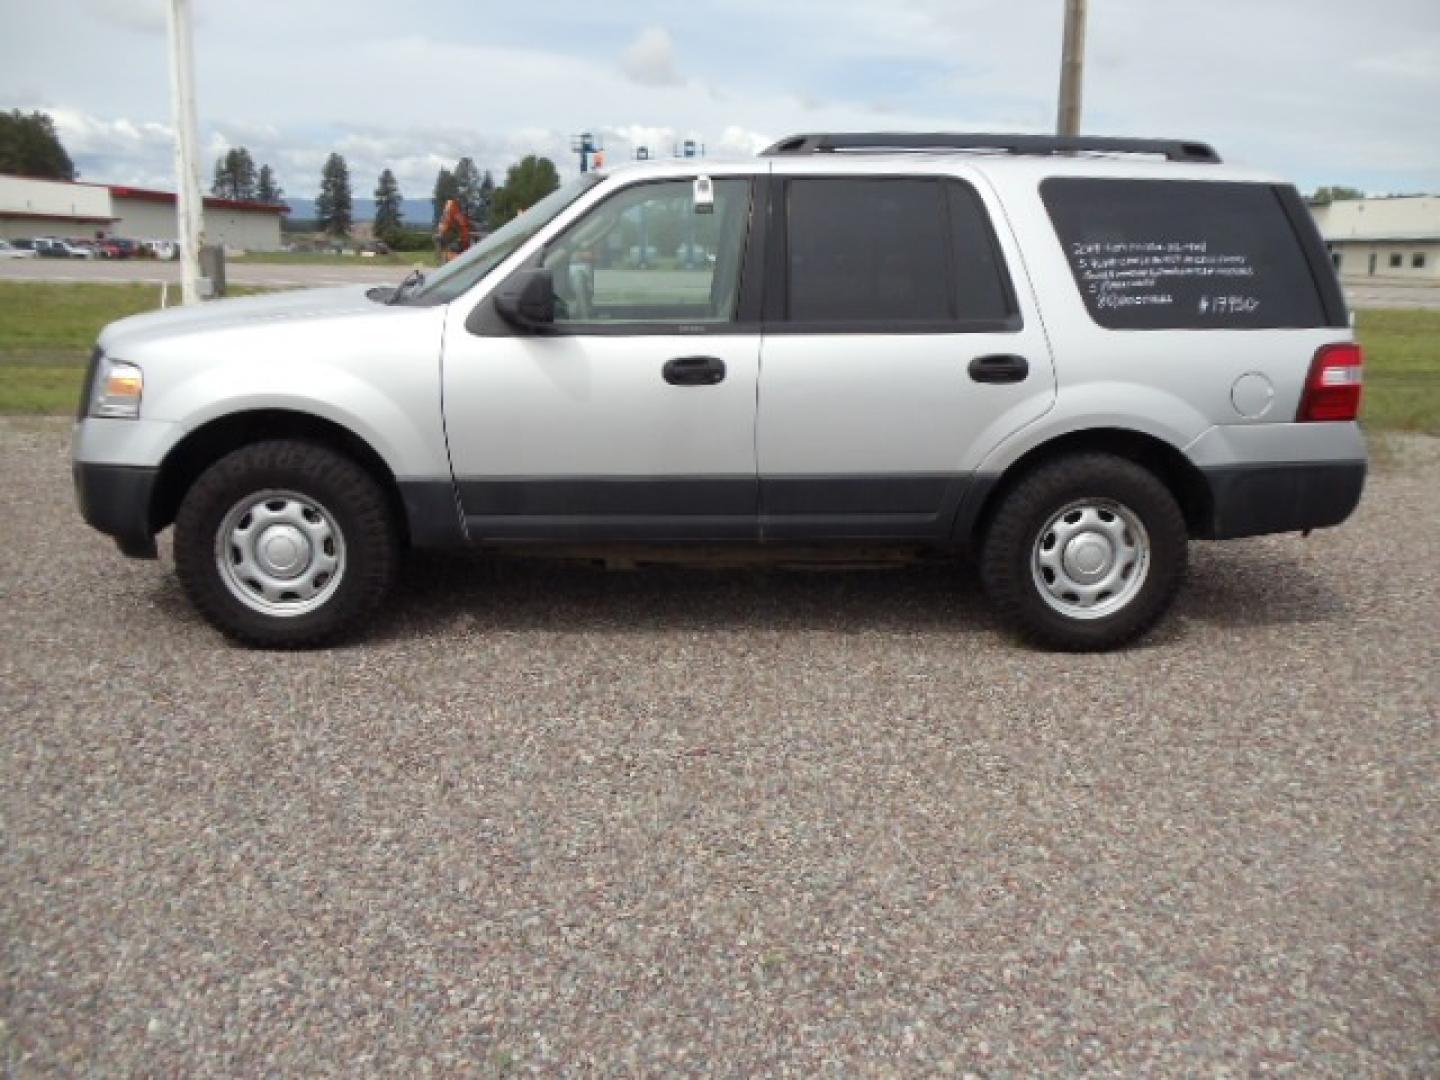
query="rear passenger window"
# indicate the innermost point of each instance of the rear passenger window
(1183, 254)
(872, 254)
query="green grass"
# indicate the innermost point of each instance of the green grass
(46, 331)
(1402, 370)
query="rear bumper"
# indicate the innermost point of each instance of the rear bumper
(1251, 500)
(115, 499)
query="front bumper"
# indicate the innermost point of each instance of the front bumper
(115, 499)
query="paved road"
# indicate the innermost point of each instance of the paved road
(278, 275)
(552, 820)
(1393, 296)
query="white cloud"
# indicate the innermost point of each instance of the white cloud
(650, 59)
(1343, 101)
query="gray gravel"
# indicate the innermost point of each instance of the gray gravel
(557, 820)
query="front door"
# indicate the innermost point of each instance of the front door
(897, 352)
(634, 417)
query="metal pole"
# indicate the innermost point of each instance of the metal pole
(1072, 69)
(188, 207)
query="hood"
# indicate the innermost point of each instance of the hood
(244, 311)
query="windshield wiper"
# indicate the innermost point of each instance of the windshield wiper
(413, 280)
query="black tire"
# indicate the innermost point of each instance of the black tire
(1008, 553)
(347, 493)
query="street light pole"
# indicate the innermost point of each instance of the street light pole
(1072, 69)
(188, 207)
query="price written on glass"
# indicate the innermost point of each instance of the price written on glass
(1143, 273)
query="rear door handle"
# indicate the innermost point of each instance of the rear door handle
(999, 368)
(694, 371)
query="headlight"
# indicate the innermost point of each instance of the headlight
(117, 390)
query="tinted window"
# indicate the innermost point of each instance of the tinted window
(893, 252)
(867, 251)
(982, 290)
(1180, 254)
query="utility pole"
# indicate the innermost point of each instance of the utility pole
(188, 206)
(1072, 69)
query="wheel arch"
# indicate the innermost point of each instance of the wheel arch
(207, 444)
(1184, 480)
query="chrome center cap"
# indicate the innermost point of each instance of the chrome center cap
(282, 551)
(1088, 556)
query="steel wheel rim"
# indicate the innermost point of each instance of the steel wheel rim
(1091, 559)
(280, 553)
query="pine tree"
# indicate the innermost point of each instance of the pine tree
(266, 189)
(487, 197)
(234, 175)
(333, 204)
(445, 190)
(244, 172)
(388, 213)
(467, 188)
(30, 147)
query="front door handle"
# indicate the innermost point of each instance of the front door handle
(694, 371)
(999, 368)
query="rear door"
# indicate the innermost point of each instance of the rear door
(901, 344)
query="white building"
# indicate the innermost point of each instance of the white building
(76, 210)
(1395, 238)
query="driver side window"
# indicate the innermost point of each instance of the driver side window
(645, 256)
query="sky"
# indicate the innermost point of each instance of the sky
(1323, 91)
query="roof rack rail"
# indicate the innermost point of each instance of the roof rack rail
(828, 142)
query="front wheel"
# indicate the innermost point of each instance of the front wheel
(285, 544)
(1086, 553)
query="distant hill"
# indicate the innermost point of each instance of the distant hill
(416, 212)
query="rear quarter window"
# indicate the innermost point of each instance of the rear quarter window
(1185, 255)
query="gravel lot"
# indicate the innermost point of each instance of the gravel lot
(553, 820)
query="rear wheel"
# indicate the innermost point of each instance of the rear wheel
(1085, 553)
(286, 544)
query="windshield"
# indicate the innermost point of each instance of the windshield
(460, 274)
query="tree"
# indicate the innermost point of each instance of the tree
(526, 183)
(1326, 195)
(487, 197)
(333, 204)
(266, 189)
(445, 190)
(467, 189)
(29, 146)
(388, 215)
(234, 175)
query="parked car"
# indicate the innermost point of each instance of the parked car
(11, 249)
(87, 249)
(55, 248)
(1070, 358)
(117, 248)
(161, 249)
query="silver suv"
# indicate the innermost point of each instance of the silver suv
(1068, 355)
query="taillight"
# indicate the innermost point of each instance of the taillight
(1332, 389)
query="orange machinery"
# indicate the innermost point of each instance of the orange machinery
(453, 234)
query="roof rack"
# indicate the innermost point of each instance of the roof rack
(828, 142)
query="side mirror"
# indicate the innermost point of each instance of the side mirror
(527, 300)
